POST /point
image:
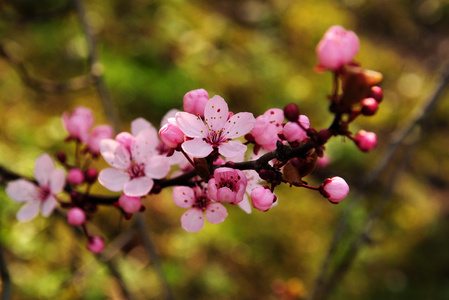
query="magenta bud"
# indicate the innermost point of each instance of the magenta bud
(369, 106)
(262, 198)
(171, 135)
(75, 176)
(291, 112)
(61, 156)
(376, 93)
(366, 141)
(334, 189)
(95, 244)
(130, 204)
(91, 175)
(76, 216)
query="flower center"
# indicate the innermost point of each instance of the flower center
(136, 170)
(44, 192)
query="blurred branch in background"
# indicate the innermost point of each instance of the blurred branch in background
(5, 285)
(326, 283)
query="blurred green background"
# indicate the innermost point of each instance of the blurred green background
(257, 55)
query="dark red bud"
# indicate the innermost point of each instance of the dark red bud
(266, 175)
(376, 93)
(369, 106)
(291, 112)
(324, 135)
(249, 137)
(91, 175)
(61, 156)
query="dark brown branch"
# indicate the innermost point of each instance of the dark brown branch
(6, 279)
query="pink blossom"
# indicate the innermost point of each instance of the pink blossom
(334, 189)
(337, 48)
(262, 198)
(216, 131)
(130, 204)
(133, 170)
(194, 102)
(198, 202)
(76, 216)
(99, 133)
(95, 244)
(267, 127)
(75, 176)
(295, 133)
(366, 141)
(227, 185)
(78, 123)
(171, 135)
(42, 197)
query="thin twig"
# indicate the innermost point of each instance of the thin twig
(6, 279)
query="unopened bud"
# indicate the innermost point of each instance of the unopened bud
(91, 175)
(61, 156)
(95, 244)
(369, 106)
(376, 93)
(291, 112)
(75, 176)
(366, 141)
(334, 189)
(76, 216)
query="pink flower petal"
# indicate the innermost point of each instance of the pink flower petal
(28, 211)
(138, 187)
(169, 115)
(212, 189)
(48, 205)
(244, 204)
(216, 113)
(157, 167)
(197, 147)
(115, 154)
(183, 196)
(216, 213)
(113, 179)
(22, 190)
(224, 194)
(57, 181)
(231, 148)
(239, 124)
(138, 125)
(192, 220)
(143, 146)
(43, 168)
(191, 125)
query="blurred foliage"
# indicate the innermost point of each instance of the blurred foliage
(257, 55)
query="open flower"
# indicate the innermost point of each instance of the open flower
(135, 168)
(228, 185)
(78, 123)
(267, 127)
(42, 197)
(216, 131)
(198, 203)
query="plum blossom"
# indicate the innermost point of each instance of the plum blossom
(267, 127)
(198, 203)
(216, 131)
(334, 189)
(337, 48)
(227, 185)
(195, 101)
(293, 132)
(134, 164)
(78, 123)
(262, 198)
(98, 133)
(38, 197)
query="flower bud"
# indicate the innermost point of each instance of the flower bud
(369, 106)
(130, 204)
(376, 93)
(76, 216)
(294, 133)
(262, 198)
(291, 112)
(195, 101)
(78, 123)
(95, 244)
(366, 141)
(61, 156)
(334, 189)
(91, 175)
(171, 135)
(75, 176)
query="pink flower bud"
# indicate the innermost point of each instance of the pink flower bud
(75, 176)
(376, 93)
(291, 112)
(262, 198)
(293, 132)
(369, 106)
(337, 48)
(366, 141)
(195, 101)
(91, 175)
(334, 189)
(130, 204)
(76, 216)
(95, 244)
(78, 123)
(171, 135)
(99, 133)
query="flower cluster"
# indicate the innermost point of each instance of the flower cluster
(213, 157)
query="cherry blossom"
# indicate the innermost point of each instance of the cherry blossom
(262, 198)
(228, 185)
(216, 131)
(38, 197)
(98, 133)
(267, 127)
(334, 189)
(198, 203)
(76, 216)
(195, 101)
(78, 123)
(293, 132)
(130, 204)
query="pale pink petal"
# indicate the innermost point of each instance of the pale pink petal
(28, 211)
(183, 196)
(113, 179)
(192, 220)
(22, 190)
(157, 167)
(239, 124)
(143, 146)
(191, 125)
(115, 154)
(275, 117)
(244, 204)
(216, 113)
(43, 168)
(304, 121)
(197, 147)
(212, 189)
(138, 125)
(57, 181)
(231, 148)
(224, 194)
(216, 213)
(48, 205)
(138, 187)
(169, 115)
